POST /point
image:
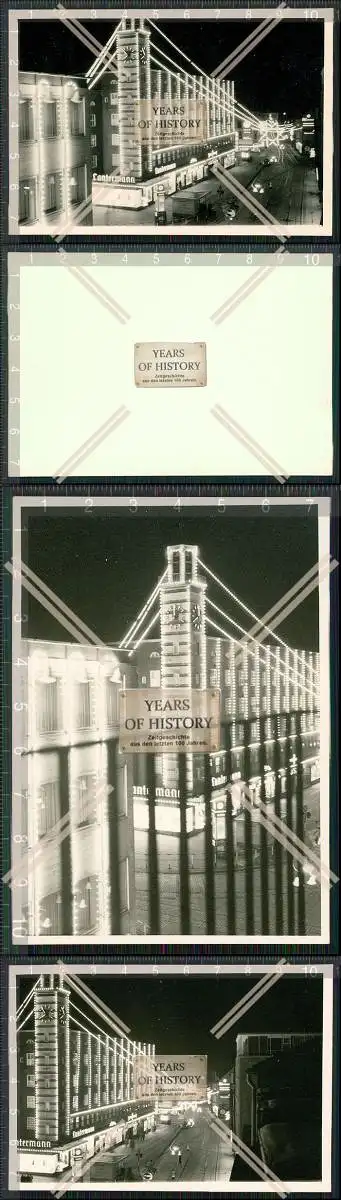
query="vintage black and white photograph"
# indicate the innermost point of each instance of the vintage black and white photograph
(214, 120)
(210, 1077)
(170, 364)
(171, 720)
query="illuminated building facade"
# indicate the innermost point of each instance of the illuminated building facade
(54, 147)
(78, 786)
(151, 122)
(76, 1087)
(96, 799)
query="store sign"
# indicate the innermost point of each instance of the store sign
(83, 1132)
(170, 364)
(31, 1144)
(155, 721)
(183, 1078)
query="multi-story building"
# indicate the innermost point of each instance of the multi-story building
(79, 787)
(90, 801)
(151, 122)
(54, 148)
(77, 1088)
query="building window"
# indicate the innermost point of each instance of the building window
(113, 97)
(124, 885)
(85, 799)
(30, 1081)
(94, 160)
(30, 1060)
(76, 110)
(48, 706)
(50, 128)
(27, 200)
(26, 125)
(93, 139)
(155, 679)
(30, 1101)
(113, 160)
(48, 807)
(85, 714)
(115, 146)
(50, 914)
(86, 904)
(77, 184)
(75, 1102)
(114, 139)
(213, 678)
(31, 1122)
(112, 702)
(93, 121)
(52, 193)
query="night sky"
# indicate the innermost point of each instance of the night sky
(104, 563)
(282, 75)
(178, 1012)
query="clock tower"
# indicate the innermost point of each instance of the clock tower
(183, 636)
(52, 1052)
(134, 99)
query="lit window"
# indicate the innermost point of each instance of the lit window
(124, 885)
(113, 97)
(92, 120)
(85, 799)
(50, 119)
(48, 807)
(27, 200)
(48, 693)
(93, 139)
(31, 1122)
(85, 713)
(50, 914)
(31, 1101)
(26, 127)
(94, 160)
(78, 184)
(76, 112)
(30, 1080)
(112, 702)
(155, 679)
(86, 904)
(30, 1060)
(52, 193)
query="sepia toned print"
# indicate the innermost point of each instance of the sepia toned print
(219, 1077)
(160, 120)
(229, 843)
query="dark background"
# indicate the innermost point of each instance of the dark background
(178, 1012)
(105, 562)
(282, 74)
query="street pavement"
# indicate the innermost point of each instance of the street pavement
(290, 193)
(168, 858)
(204, 1156)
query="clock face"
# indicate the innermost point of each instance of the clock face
(196, 616)
(46, 1012)
(127, 55)
(175, 616)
